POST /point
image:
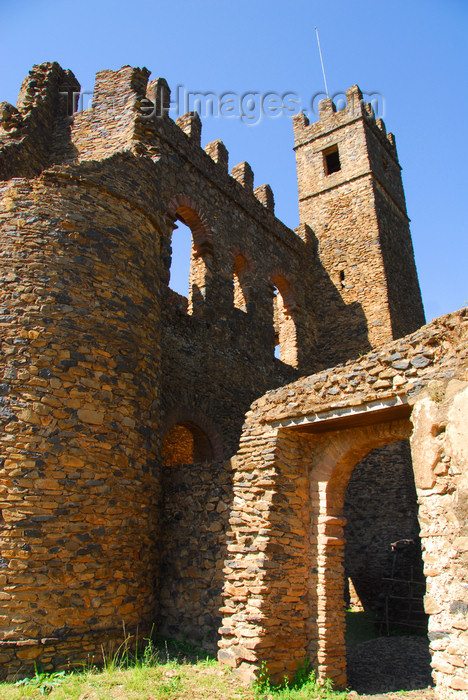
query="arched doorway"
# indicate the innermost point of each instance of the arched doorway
(381, 510)
(384, 581)
(335, 455)
(301, 614)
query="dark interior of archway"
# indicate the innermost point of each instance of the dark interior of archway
(381, 510)
(186, 443)
(386, 627)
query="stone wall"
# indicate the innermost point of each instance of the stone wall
(197, 502)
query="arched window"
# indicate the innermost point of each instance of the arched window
(284, 307)
(197, 239)
(186, 443)
(240, 279)
(181, 247)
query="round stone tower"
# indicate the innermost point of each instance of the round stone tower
(79, 363)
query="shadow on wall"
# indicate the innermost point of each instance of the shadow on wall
(195, 513)
(340, 329)
(196, 496)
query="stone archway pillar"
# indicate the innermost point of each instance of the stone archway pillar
(331, 648)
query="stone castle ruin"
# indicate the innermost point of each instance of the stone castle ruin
(161, 463)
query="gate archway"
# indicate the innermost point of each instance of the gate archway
(296, 541)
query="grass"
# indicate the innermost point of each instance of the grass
(302, 687)
(165, 670)
(172, 670)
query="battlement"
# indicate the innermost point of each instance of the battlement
(129, 119)
(123, 97)
(330, 119)
(128, 113)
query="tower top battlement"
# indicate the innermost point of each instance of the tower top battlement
(331, 119)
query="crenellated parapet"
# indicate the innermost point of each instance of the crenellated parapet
(331, 119)
(27, 130)
(191, 125)
(128, 113)
(243, 173)
(218, 153)
(264, 194)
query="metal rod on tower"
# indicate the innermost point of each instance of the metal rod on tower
(321, 61)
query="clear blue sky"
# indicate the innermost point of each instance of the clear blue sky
(413, 52)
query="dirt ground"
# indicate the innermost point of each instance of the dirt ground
(380, 667)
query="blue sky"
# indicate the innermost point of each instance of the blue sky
(412, 52)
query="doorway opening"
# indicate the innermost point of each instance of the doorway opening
(384, 578)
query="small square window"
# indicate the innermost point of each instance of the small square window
(331, 160)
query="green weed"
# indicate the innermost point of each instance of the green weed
(304, 685)
(42, 682)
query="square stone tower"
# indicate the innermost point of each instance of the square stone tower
(351, 195)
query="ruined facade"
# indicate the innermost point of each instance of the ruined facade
(122, 404)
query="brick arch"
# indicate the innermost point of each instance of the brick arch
(186, 414)
(361, 443)
(237, 251)
(281, 281)
(189, 212)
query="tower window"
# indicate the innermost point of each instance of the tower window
(331, 160)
